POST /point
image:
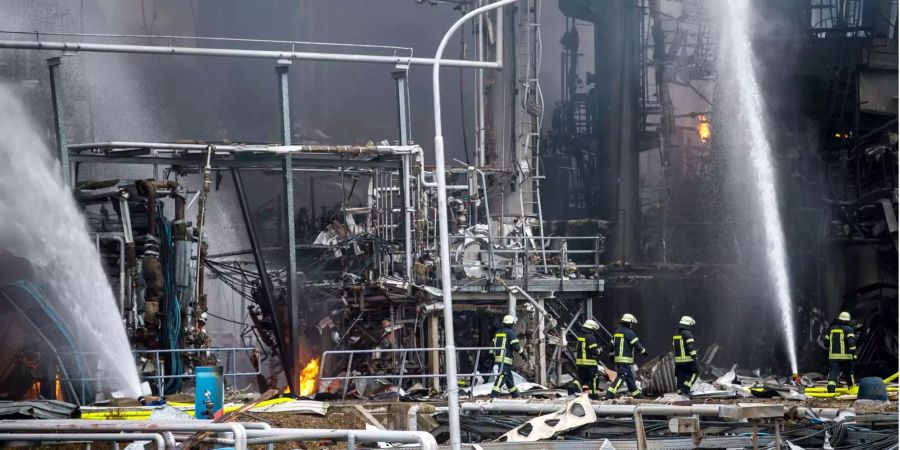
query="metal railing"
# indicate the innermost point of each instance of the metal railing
(402, 366)
(572, 253)
(160, 376)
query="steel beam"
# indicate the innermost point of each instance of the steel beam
(56, 92)
(284, 102)
(268, 162)
(282, 70)
(293, 306)
(404, 133)
(259, 259)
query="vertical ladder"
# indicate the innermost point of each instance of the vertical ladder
(529, 125)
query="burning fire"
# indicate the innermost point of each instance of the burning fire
(703, 128)
(308, 377)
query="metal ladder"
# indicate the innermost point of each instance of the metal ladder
(529, 126)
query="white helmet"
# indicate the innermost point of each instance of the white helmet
(591, 325)
(844, 316)
(509, 320)
(628, 318)
(687, 321)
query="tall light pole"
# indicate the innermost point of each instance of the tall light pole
(446, 280)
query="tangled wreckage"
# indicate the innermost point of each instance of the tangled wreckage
(364, 294)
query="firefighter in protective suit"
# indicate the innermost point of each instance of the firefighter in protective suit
(508, 344)
(841, 342)
(625, 343)
(685, 351)
(587, 355)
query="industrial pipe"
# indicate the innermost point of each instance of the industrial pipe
(78, 437)
(446, 278)
(520, 407)
(237, 430)
(122, 260)
(425, 440)
(225, 150)
(74, 47)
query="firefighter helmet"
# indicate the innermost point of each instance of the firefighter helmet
(509, 320)
(687, 321)
(844, 316)
(628, 318)
(591, 325)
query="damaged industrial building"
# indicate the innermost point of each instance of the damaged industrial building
(615, 224)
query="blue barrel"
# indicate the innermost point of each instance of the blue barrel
(209, 393)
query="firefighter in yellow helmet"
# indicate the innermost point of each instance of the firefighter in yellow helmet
(685, 350)
(587, 355)
(625, 344)
(508, 344)
(841, 342)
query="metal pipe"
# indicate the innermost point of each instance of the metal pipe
(121, 240)
(56, 93)
(425, 440)
(521, 407)
(78, 437)
(479, 95)
(238, 430)
(225, 150)
(639, 432)
(487, 212)
(412, 418)
(446, 278)
(74, 47)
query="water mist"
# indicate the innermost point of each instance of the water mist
(745, 125)
(42, 224)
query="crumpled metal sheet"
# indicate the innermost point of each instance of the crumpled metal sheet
(38, 409)
(576, 413)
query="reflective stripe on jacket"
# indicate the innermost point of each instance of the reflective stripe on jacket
(683, 346)
(508, 341)
(624, 343)
(586, 349)
(841, 342)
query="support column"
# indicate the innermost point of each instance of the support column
(282, 69)
(542, 346)
(403, 132)
(434, 342)
(56, 92)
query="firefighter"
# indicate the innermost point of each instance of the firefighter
(587, 355)
(624, 344)
(508, 344)
(685, 350)
(841, 351)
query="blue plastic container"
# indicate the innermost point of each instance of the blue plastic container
(209, 393)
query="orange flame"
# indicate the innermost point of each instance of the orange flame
(309, 377)
(703, 128)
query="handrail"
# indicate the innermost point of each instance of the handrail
(402, 366)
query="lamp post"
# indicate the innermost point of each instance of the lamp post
(446, 285)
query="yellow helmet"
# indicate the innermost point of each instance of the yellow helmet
(591, 325)
(628, 318)
(687, 321)
(844, 316)
(509, 320)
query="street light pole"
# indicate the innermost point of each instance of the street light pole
(446, 282)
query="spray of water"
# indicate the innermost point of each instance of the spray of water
(42, 224)
(737, 63)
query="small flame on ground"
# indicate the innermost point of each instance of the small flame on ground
(309, 377)
(703, 128)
